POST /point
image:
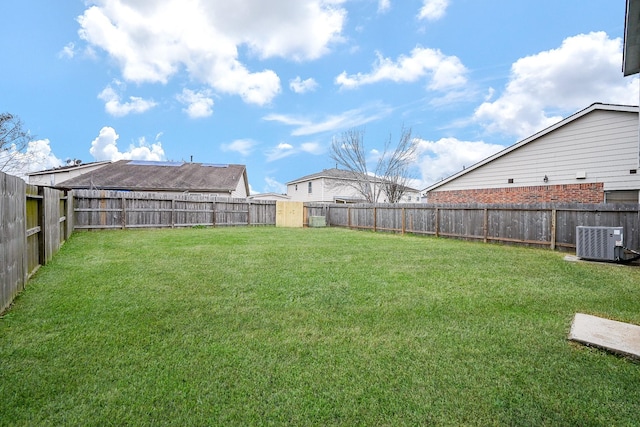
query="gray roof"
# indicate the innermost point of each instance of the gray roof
(138, 175)
(336, 174)
(327, 173)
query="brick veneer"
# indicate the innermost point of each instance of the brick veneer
(566, 193)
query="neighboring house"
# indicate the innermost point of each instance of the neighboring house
(53, 177)
(139, 175)
(269, 196)
(335, 186)
(592, 156)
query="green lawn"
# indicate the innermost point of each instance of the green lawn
(270, 326)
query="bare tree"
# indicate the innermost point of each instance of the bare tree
(392, 171)
(13, 140)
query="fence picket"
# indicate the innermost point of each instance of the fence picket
(548, 225)
(34, 224)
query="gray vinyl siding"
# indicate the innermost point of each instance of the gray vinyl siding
(318, 193)
(323, 190)
(603, 144)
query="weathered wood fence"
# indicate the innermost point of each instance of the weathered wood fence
(101, 209)
(548, 225)
(35, 222)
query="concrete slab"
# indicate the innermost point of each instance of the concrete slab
(617, 337)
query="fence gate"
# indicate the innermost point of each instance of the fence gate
(289, 214)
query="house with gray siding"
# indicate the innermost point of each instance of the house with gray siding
(592, 156)
(337, 186)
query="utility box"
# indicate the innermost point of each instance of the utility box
(600, 243)
(317, 221)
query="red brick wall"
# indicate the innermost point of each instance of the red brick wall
(567, 193)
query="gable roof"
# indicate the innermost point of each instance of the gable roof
(138, 175)
(573, 117)
(340, 174)
(327, 173)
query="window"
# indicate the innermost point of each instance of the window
(621, 196)
(310, 187)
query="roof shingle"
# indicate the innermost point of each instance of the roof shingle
(160, 176)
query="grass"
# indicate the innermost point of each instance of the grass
(266, 326)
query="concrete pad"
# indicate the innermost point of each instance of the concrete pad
(617, 337)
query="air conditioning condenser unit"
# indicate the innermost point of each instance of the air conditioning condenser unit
(600, 243)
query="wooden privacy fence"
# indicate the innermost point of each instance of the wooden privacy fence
(548, 225)
(102, 209)
(35, 222)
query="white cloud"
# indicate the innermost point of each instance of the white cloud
(105, 147)
(444, 72)
(384, 6)
(312, 148)
(199, 104)
(280, 151)
(583, 70)
(442, 158)
(433, 10)
(303, 86)
(68, 51)
(116, 108)
(36, 157)
(284, 146)
(284, 149)
(348, 119)
(152, 40)
(242, 146)
(273, 186)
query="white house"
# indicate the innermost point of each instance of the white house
(592, 156)
(336, 186)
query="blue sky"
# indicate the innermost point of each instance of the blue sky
(269, 84)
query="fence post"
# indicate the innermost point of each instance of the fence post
(249, 213)
(70, 221)
(375, 219)
(485, 224)
(124, 212)
(404, 225)
(42, 253)
(103, 207)
(553, 229)
(437, 222)
(173, 212)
